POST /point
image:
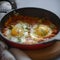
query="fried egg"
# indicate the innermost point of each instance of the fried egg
(17, 31)
(20, 30)
(38, 32)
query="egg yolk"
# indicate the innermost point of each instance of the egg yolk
(17, 31)
(42, 30)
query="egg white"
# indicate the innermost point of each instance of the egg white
(18, 27)
(37, 37)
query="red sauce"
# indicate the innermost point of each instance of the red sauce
(12, 20)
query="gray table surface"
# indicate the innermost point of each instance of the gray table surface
(52, 5)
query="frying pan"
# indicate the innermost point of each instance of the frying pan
(33, 12)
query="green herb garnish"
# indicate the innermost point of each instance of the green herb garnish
(52, 26)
